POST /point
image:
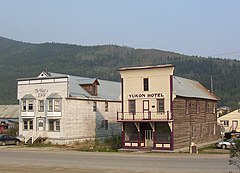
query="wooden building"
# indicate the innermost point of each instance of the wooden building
(165, 112)
(230, 122)
(63, 109)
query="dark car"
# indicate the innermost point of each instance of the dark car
(8, 139)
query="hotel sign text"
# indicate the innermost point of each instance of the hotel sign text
(151, 95)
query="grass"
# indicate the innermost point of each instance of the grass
(211, 149)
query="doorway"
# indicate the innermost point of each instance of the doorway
(148, 138)
(145, 109)
(40, 125)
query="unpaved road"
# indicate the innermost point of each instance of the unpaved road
(27, 160)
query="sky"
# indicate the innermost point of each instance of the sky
(191, 27)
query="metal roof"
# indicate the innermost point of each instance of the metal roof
(106, 89)
(9, 111)
(189, 88)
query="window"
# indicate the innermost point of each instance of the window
(198, 107)
(57, 125)
(30, 105)
(132, 106)
(106, 106)
(145, 84)
(27, 124)
(57, 105)
(24, 105)
(54, 125)
(214, 108)
(41, 106)
(94, 106)
(224, 122)
(160, 105)
(207, 107)
(51, 125)
(187, 106)
(50, 105)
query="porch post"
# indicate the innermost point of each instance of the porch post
(123, 135)
(154, 135)
(139, 137)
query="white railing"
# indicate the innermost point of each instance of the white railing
(34, 136)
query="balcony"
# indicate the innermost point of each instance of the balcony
(144, 116)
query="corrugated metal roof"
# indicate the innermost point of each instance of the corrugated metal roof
(106, 89)
(190, 88)
(9, 111)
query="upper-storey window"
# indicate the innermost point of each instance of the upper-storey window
(145, 84)
(50, 105)
(132, 106)
(160, 105)
(24, 105)
(41, 106)
(95, 106)
(57, 105)
(28, 102)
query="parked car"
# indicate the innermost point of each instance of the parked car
(8, 139)
(225, 144)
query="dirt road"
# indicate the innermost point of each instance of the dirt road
(19, 160)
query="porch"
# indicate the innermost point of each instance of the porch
(147, 135)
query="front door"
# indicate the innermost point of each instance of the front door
(145, 109)
(40, 125)
(148, 138)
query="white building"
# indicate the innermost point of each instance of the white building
(62, 109)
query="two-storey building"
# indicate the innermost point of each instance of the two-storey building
(165, 112)
(62, 108)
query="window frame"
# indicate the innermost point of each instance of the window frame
(50, 106)
(160, 105)
(41, 106)
(94, 106)
(57, 107)
(132, 106)
(145, 84)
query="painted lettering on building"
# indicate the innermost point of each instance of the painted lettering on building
(151, 95)
(41, 92)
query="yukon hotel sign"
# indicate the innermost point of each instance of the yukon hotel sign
(150, 95)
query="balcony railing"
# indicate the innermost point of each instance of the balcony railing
(141, 116)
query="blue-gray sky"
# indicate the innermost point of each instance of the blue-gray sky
(191, 27)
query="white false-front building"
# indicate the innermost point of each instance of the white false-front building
(63, 109)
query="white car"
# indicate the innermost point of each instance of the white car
(226, 143)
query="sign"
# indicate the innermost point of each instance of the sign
(41, 92)
(151, 95)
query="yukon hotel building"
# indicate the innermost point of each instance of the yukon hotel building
(161, 111)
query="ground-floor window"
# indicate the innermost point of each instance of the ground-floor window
(54, 125)
(27, 124)
(163, 133)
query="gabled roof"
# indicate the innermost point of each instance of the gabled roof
(9, 111)
(189, 88)
(232, 115)
(106, 89)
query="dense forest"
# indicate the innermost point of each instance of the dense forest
(20, 60)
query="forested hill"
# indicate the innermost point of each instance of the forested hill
(19, 59)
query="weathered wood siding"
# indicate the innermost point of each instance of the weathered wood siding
(198, 124)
